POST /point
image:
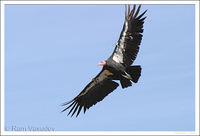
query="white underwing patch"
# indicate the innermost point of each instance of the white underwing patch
(118, 54)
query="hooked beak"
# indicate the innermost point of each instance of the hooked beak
(102, 63)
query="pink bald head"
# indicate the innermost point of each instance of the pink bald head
(102, 63)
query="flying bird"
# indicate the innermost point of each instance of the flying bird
(116, 67)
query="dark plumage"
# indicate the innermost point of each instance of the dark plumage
(116, 67)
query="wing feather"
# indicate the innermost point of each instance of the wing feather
(80, 107)
(74, 104)
(94, 92)
(127, 47)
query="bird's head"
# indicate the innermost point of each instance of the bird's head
(102, 63)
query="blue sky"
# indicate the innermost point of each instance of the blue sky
(52, 53)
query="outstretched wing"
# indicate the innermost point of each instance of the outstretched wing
(95, 91)
(130, 38)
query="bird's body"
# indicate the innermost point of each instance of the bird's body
(116, 67)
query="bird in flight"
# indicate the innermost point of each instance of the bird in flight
(116, 67)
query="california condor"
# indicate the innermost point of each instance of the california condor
(116, 67)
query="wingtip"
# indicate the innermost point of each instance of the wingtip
(131, 14)
(66, 103)
(145, 11)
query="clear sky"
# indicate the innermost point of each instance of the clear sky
(52, 52)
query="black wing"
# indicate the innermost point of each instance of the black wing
(95, 91)
(130, 38)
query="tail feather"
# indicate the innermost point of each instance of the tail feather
(125, 82)
(135, 72)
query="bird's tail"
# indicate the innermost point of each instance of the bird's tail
(135, 72)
